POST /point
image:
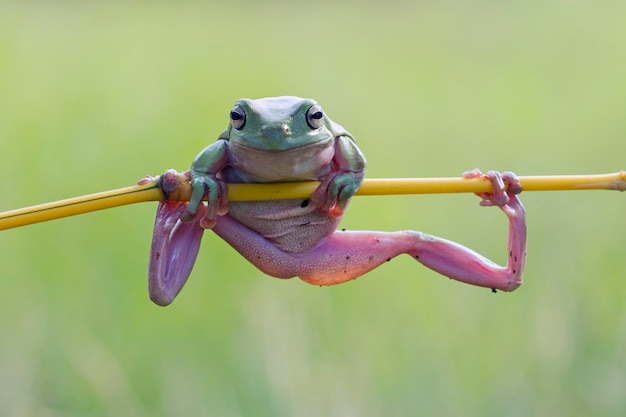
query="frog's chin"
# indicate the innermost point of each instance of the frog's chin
(269, 165)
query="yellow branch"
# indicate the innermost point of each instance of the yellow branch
(280, 191)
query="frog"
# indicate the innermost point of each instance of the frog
(284, 139)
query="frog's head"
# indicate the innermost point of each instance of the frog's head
(279, 124)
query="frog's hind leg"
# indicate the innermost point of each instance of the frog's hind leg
(345, 255)
(173, 252)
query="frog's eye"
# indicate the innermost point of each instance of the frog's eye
(315, 116)
(237, 117)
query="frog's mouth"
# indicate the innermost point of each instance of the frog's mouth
(315, 145)
(299, 163)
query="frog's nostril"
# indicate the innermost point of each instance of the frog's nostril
(275, 131)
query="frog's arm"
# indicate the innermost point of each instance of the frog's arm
(342, 183)
(204, 182)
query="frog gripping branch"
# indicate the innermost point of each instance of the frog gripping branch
(286, 139)
(277, 183)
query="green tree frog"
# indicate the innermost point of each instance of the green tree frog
(291, 139)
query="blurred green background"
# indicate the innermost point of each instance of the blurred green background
(94, 96)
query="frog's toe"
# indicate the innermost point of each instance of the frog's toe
(499, 196)
(187, 217)
(147, 179)
(338, 209)
(207, 222)
(474, 173)
(513, 185)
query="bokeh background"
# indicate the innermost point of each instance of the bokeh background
(95, 95)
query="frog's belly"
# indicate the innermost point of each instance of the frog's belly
(288, 225)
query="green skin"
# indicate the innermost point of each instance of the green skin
(291, 139)
(276, 143)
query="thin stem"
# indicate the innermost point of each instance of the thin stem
(280, 191)
(79, 205)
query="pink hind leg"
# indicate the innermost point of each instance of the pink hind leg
(347, 255)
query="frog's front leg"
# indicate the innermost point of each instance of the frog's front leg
(347, 255)
(204, 181)
(337, 187)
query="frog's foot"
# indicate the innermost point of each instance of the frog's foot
(173, 251)
(505, 185)
(169, 182)
(175, 244)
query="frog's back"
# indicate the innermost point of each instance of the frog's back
(294, 226)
